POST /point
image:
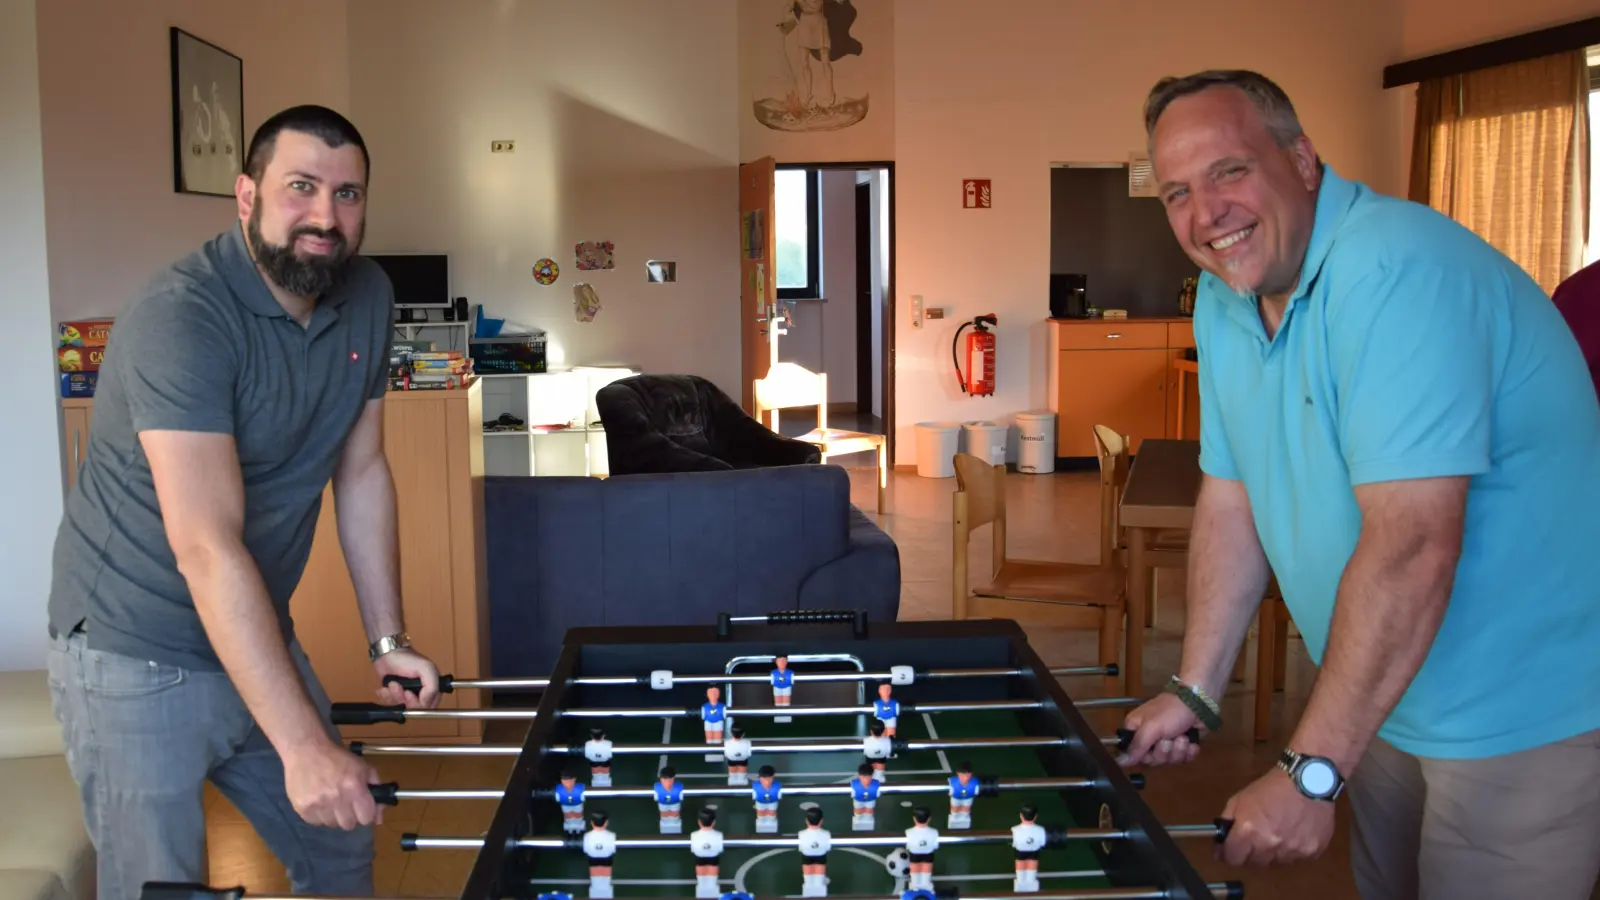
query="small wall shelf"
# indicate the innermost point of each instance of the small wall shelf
(561, 435)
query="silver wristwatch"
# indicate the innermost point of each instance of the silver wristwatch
(1314, 776)
(388, 644)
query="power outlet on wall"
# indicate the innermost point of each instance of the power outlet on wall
(502, 146)
(916, 310)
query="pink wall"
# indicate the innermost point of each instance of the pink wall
(112, 216)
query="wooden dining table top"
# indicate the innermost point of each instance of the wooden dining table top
(1163, 485)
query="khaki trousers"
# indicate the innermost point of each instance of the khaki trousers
(1521, 825)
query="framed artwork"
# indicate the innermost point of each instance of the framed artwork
(207, 116)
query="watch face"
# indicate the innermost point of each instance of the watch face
(1317, 777)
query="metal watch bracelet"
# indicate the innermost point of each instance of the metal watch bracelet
(1204, 708)
(388, 644)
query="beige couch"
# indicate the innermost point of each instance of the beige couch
(45, 853)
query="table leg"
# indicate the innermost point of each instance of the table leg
(1138, 589)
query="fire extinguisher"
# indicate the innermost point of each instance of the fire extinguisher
(979, 379)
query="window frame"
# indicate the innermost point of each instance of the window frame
(812, 290)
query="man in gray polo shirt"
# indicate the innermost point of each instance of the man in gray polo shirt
(235, 386)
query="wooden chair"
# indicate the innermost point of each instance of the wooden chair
(1072, 595)
(1272, 648)
(1166, 549)
(789, 386)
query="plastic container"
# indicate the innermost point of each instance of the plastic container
(985, 440)
(1036, 444)
(937, 445)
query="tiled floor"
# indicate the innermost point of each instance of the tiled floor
(1052, 516)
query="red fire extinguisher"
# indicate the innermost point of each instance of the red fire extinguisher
(979, 379)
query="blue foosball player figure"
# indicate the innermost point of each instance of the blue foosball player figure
(766, 793)
(669, 800)
(917, 895)
(886, 708)
(864, 796)
(569, 796)
(782, 685)
(737, 895)
(963, 788)
(714, 714)
(555, 895)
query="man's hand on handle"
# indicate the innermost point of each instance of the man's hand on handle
(1160, 730)
(408, 663)
(1274, 824)
(329, 786)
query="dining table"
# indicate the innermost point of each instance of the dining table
(1163, 485)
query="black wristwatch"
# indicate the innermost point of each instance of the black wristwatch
(1314, 776)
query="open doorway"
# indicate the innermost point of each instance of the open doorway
(834, 229)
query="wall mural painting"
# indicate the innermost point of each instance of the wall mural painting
(813, 35)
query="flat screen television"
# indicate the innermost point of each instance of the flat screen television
(421, 280)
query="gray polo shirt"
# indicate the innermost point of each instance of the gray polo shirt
(205, 347)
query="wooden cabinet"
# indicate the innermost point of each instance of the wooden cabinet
(1117, 373)
(75, 417)
(434, 443)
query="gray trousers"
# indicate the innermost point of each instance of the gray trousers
(142, 739)
(1520, 825)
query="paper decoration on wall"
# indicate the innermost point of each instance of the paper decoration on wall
(585, 302)
(815, 35)
(755, 235)
(545, 271)
(595, 255)
(660, 271)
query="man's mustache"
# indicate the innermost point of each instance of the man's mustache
(327, 234)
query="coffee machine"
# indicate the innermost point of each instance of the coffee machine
(1069, 296)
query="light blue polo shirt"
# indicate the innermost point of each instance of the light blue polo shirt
(1411, 349)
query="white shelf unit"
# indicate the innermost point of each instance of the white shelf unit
(408, 332)
(562, 435)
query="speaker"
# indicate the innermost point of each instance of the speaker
(460, 310)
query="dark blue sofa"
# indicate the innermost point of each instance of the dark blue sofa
(674, 549)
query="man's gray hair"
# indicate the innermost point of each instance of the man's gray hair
(1269, 99)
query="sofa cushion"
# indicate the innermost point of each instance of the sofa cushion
(28, 727)
(31, 884)
(51, 837)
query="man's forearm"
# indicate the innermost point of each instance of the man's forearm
(1390, 603)
(1227, 577)
(243, 628)
(364, 501)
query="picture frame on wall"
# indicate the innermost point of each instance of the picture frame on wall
(207, 116)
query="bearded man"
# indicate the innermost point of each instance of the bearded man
(235, 386)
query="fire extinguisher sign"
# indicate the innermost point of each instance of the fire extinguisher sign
(975, 193)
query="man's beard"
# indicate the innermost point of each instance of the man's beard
(311, 276)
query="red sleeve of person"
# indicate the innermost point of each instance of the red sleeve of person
(1578, 298)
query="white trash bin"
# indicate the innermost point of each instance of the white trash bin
(1036, 445)
(985, 440)
(937, 444)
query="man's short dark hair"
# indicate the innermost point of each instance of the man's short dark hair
(1273, 104)
(319, 121)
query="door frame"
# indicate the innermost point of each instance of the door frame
(889, 288)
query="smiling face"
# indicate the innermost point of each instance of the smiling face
(1240, 204)
(306, 215)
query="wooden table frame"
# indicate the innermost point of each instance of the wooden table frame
(1162, 488)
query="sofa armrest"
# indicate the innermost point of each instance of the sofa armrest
(866, 578)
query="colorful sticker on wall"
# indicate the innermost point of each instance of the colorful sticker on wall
(585, 302)
(545, 271)
(595, 255)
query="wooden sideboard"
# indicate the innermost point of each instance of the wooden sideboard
(434, 443)
(1119, 373)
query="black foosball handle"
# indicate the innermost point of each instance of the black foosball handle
(366, 714)
(856, 618)
(182, 890)
(386, 794)
(414, 685)
(1223, 827)
(1125, 738)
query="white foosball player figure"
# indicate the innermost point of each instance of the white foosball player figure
(600, 845)
(1027, 839)
(706, 845)
(736, 750)
(963, 788)
(864, 794)
(714, 714)
(814, 841)
(669, 801)
(886, 708)
(877, 746)
(569, 796)
(597, 750)
(922, 841)
(782, 684)
(766, 793)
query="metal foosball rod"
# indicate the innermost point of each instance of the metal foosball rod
(1228, 890)
(450, 683)
(1055, 837)
(390, 793)
(378, 713)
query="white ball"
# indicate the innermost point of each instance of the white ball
(898, 862)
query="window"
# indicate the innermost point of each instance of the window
(795, 224)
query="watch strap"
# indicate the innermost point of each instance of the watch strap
(388, 644)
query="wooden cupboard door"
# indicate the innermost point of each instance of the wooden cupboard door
(1123, 389)
(75, 432)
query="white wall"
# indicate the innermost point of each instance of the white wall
(30, 457)
(623, 118)
(823, 337)
(106, 96)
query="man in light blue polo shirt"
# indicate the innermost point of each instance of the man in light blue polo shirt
(1398, 424)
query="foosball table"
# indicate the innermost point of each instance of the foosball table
(803, 755)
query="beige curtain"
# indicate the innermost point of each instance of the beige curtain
(1505, 151)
